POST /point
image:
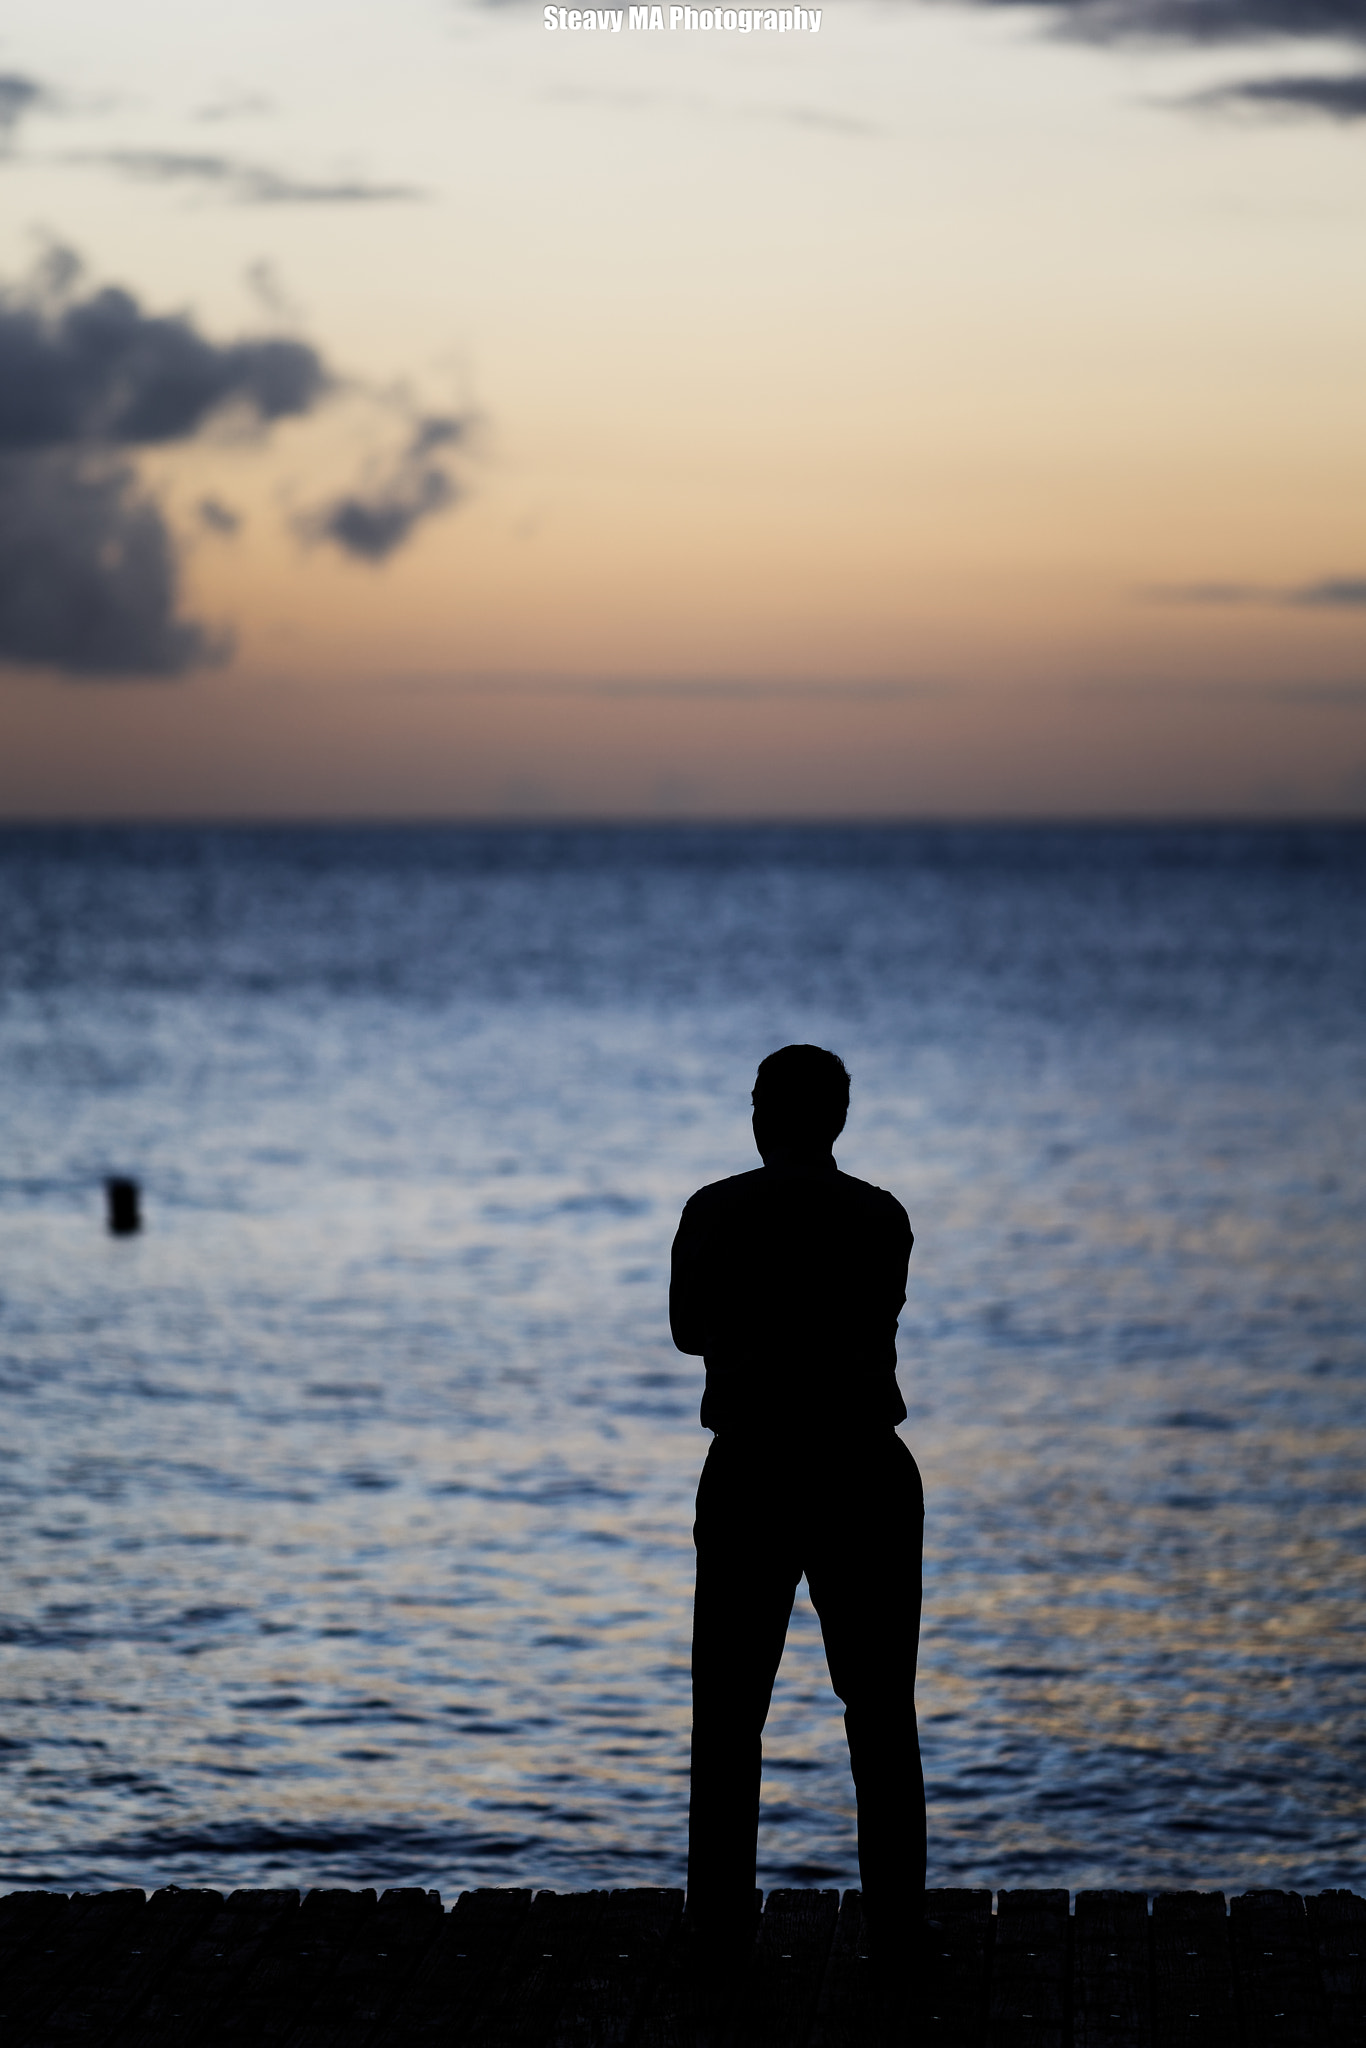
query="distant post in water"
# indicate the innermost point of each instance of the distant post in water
(125, 1214)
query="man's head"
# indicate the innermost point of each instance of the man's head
(801, 1099)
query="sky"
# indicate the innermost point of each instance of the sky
(415, 411)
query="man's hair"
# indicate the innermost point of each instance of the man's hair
(802, 1092)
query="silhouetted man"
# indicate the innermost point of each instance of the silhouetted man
(788, 1281)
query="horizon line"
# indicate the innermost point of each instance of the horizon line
(550, 821)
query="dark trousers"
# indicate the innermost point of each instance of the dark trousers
(850, 1515)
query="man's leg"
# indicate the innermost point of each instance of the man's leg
(863, 1567)
(746, 1579)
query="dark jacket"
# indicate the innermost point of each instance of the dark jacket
(789, 1281)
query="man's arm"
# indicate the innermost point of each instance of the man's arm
(687, 1285)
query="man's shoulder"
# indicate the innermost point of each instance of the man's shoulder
(876, 1201)
(743, 1191)
(733, 1192)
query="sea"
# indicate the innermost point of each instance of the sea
(345, 1509)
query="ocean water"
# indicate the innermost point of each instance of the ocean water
(345, 1512)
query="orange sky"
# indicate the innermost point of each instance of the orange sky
(854, 417)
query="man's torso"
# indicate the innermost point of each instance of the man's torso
(789, 1283)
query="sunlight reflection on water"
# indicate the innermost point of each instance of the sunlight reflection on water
(346, 1512)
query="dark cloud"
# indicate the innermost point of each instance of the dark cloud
(1329, 593)
(1213, 22)
(89, 564)
(218, 517)
(1208, 21)
(245, 183)
(1334, 590)
(1339, 97)
(374, 520)
(98, 370)
(89, 567)
(89, 573)
(18, 96)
